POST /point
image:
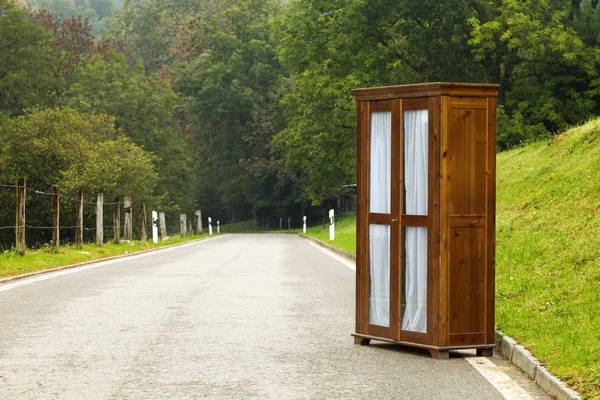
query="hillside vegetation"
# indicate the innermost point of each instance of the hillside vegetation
(548, 252)
(247, 104)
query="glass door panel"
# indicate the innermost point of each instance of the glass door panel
(379, 275)
(381, 162)
(380, 200)
(414, 279)
(414, 237)
(416, 138)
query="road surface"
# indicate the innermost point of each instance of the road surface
(235, 317)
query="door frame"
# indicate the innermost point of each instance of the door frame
(395, 219)
(365, 218)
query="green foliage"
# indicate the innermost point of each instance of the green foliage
(143, 108)
(141, 104)
(231, 81)
(149, 28)
(44, 144)
(77, 152)
(25, 59)
(548, 74)
(331, 47)
(247, 104)
(94, 11)
(113, 167)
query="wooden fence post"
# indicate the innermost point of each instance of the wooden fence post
(55, 216)
(128, 228)
(280, 222)
(79, 219)
(198, 214)
(143, 222)
(182, 225)
(289, 224)
(100, 219)
(163, 226)
(20, 223)
(117, 220)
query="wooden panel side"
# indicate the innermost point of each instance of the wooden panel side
(433, 230)
(491, 222)
(468, 221)
(469, 102)
(467, 280)
(362, 210)
(380, 106)
(467, 163)
(394, 220)
(467, 154)
(444, 179)
(465, 339)
(421, 103)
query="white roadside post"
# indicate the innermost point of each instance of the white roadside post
(218, 226)
(331, 225)
(304, 224)
(210, 226)
(154, 227)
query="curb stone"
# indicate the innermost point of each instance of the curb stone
(336, 250)
(522, 358)
(507, 347)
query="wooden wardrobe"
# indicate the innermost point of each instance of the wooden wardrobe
(426, 209)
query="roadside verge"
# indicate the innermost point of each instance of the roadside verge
(98, 260)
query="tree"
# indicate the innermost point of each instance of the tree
(72, 45)
(231, 81)
(25, 60)
(547, 72)
(95, 12)
(76, 151)
(331, 47)
(143, 107)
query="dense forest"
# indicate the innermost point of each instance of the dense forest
(243, 107)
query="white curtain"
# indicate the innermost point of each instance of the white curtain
(416, 134)
(380, 200)
(379, 275)
(381, 162)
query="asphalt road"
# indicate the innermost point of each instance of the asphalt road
(236, 317)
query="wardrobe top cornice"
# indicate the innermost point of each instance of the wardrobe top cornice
(427, 90)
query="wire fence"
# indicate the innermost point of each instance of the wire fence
(73, 212)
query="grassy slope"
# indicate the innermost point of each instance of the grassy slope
(36, 260)
(548, 252)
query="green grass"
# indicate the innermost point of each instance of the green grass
(547, 255)
(345, 232)
(47, 257)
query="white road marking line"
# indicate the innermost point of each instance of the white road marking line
(331, 254)
(50, 275)
(509, 389)
(502, 382)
